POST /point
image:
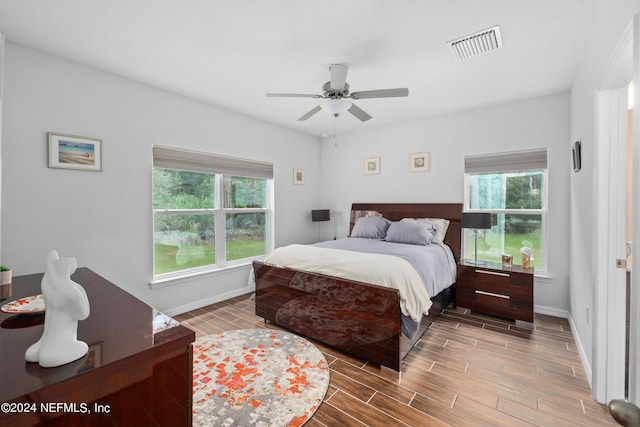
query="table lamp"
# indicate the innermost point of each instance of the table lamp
(476, 221)
(320, 215)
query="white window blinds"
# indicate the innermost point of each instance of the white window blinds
(175, 158)
(507, 162)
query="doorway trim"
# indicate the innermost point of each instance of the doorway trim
(609, 340)
(634, 324)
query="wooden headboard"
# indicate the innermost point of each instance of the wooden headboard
(397, 211)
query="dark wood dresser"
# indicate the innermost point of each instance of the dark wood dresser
(497, 290)
(139, 369)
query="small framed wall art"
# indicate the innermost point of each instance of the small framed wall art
(74, 152)
(298, 176)
(372, 166)
(420, 162)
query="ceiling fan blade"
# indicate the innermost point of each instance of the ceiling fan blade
(338, 76)
(380, 93)
(294, 95)
(359, 113)
(309, 114)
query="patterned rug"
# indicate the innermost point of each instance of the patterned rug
(256, 377)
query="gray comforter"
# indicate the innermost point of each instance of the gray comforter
(435, 262)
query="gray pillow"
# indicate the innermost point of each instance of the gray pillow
(410, 233)
(370, 227)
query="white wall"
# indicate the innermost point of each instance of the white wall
(532, 123)
(612, 19)
(104, 218)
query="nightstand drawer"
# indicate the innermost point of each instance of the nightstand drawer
(492, 301)
(509, 306)
(494, 290)
(480, 276)
(506, 283)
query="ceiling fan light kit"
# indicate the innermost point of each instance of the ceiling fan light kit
(335, 107)
(334, 92)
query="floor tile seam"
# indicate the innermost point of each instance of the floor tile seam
(345, 413)
(375, 389)
(550, 388)
(408, 405)
(377, 409)
(549, 393)
(515, 359)
(511, 329)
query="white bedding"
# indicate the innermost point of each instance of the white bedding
(384, 270)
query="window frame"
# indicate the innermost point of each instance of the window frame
(543, 212)
(221, 223)
(220, 214)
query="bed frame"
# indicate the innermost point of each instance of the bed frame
(361, 319)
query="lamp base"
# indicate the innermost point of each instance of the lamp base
(475, 262)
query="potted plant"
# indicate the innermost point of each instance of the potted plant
(5, 282)
(5, 275)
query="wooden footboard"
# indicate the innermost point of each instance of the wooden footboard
(361, 319)
(358, 318)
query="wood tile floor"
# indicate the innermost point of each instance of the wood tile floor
(466, 370)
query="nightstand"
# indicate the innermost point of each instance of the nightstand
(493, 289)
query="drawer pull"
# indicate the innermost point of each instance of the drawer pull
(495, 273)
(491, 294)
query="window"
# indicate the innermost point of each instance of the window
(513, 188)
(209, 211)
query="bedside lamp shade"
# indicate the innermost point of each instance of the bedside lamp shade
(320, 215)
(477, 221)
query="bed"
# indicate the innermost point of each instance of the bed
(376, 322)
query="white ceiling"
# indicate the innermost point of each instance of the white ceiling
(230, 53)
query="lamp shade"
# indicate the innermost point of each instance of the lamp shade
(335, 107)
(479, 220)
(320, 215)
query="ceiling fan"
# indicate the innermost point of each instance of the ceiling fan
(336, 92)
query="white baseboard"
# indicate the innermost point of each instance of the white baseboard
(207, 301)
(583, 355)
(550, 311)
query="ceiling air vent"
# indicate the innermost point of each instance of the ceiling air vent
(476, 44)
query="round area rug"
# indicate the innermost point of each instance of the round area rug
(256, 377)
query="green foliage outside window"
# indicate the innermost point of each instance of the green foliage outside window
(242, 192)
(185, 218)
(513, 190)
(516, 201)
(173, 189)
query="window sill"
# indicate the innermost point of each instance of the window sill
(194, 275)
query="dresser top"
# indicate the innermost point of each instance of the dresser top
(119, 327)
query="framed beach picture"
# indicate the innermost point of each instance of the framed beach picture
(74, 152)
(420, 162)
(298, 176)
(372, 166)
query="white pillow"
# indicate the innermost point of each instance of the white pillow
(441, 225)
